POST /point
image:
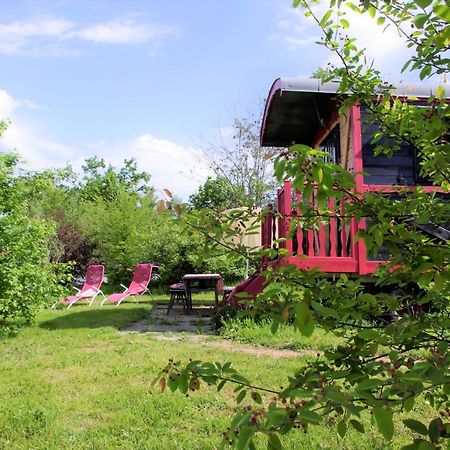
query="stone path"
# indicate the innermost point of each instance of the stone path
(199, 326)
(199, 321)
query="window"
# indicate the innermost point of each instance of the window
(332, 145)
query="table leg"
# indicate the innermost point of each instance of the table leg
(216, 293)
(190, 296)
(187, 292)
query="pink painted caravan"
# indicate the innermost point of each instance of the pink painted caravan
(304, 111)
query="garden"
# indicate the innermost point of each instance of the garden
(78, 378)
(332, 331)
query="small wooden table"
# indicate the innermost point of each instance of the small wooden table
(201, 282)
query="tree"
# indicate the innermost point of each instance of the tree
(246, 165)
(217, 193)
(102, 180)
(28, 280)
(384, 367)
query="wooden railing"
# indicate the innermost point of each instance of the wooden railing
(333, 235)
(329, 244)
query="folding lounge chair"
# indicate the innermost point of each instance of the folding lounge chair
(138, 286)
(90, 289)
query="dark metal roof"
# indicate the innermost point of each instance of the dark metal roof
(297, 108)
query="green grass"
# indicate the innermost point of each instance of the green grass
(74, 381)
(259, 333)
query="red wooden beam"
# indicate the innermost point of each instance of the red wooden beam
(360, 246)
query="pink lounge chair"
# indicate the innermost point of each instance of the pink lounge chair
(138, 286)
(90, 289)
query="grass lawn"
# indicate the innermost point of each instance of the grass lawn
(75, 381)
(259, 333)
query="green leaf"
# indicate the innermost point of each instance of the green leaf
(173, 383)
(423, 3)
(425, 72)
(183, 384)
(243, 438)
(344, 23)
(408, 404)
(435, 429)
(274, 442)
(366, 385)
(310, 416)
(342, 428)
(256, 397)
(383, 419)
(440, 92)
(419, 444)
(420, 20)
(381, 20)
(239, 419)
(303, 319)
(274, 326)
(324, 310)
(241, 396)
(324, 20)
(368, 335)
(358, 426)
(416, 426)
(443, 11)
(280, 166)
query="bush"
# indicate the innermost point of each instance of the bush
(28, 280)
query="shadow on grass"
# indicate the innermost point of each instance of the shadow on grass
(97, 318)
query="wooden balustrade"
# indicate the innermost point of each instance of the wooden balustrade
(330, 244)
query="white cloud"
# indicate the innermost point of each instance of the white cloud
(126, 32)
(7, 104)
(53, 36)
(38, 151)
(25, 36)
(295, 43)
(173, 166)
(387, 48)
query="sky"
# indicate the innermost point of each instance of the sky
(157, 80)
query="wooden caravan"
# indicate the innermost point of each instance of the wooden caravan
(304, 111)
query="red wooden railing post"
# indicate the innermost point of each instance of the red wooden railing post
(332, 227)
(266, 233)
(360, 246)
(280, 223)
(287, 207)
(298, 199)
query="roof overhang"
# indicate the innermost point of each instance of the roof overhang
(298, 108)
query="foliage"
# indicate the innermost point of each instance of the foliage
(384, 367)
(107, 214)
(216, 193)
(104, 181)
(245, 164)
(28, 280)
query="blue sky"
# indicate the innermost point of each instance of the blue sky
(154, 79)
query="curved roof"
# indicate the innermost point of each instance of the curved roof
(297, 108)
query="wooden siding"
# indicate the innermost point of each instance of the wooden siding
(400, 169)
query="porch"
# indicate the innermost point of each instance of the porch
(331, 246)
